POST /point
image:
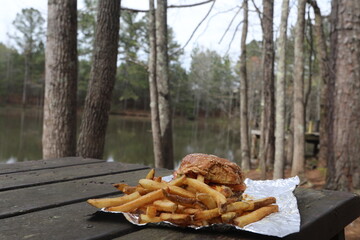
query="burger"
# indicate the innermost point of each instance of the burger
(222, 174)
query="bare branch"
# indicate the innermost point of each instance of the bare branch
(207, 24)
(207, 14)
(133, 10)
(232, 39)
(190, 5)
(258, 12)
(227, 29)
(146, 67)
(170, 6)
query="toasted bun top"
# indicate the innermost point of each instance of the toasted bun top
(213, 168)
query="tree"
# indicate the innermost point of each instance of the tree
(162, 74)
(280, 94)
(159, 156)
(86, 25)
(59, 127)
(267, 144)
(244, 124)
(211, 83)
(102, 78)
(324, 64)
(30, 25)
(344, 135)
(299, 111)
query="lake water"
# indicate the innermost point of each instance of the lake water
(128, 139)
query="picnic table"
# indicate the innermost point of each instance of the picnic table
(45, 199)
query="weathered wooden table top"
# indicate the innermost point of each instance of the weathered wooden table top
(46, 200)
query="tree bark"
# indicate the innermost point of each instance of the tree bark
(162, 73)
(299, 112)
(344, 149)
(280, 95)
(102, 79)
(155, 121)
(244, 121)
(324, 64)
(267, 144)
(59, 127)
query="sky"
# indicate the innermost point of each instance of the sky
(183, 21)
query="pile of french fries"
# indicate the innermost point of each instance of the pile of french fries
(185, 201)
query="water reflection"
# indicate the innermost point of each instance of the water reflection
(127, 140)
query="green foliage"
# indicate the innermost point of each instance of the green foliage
(29, 42)
(11, 72)
(211, 82)
(30, 30)
(86, 28)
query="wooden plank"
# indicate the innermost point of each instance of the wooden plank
(25, 200)
(323, 215)
(191, 234)
(66, 222)
(45, 164)
(47, 176)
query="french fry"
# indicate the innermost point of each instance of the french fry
(151, 184)
(188, 202)
(206, 214)
(224, 190)
(180, 208)
(204, 188)
(129, 189)
(181, 192)
(206, 199)
(147, 219)
(157, 179)
(151, 174)
(228, 217)
(191, 211)
(200, 178)
(165, 205)
(237, 206)
(151, 211)
(191, 189)
(138, 202)
(132, 189)
(120, 186)
(107, 202)
(177, 218)
(255, 215)
(178, 181)
(256, 204)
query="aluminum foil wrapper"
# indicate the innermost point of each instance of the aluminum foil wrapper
(279, 224)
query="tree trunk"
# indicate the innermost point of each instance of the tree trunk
(162, 73)
(102, 79)
(344, 148)
(244, 121)
(299, 119)
(155, 121)
(322, 56)
(26, 77)
(59, 127)
(280, 95)
(267, 149)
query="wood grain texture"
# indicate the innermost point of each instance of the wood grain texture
(47, 176)
(67, 222)
(46, 164)
(30, 199)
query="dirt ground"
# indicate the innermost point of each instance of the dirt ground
(316, 180)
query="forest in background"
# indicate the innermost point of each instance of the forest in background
(315, 67)
(209, 88)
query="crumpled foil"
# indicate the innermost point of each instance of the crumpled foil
(279, 224)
